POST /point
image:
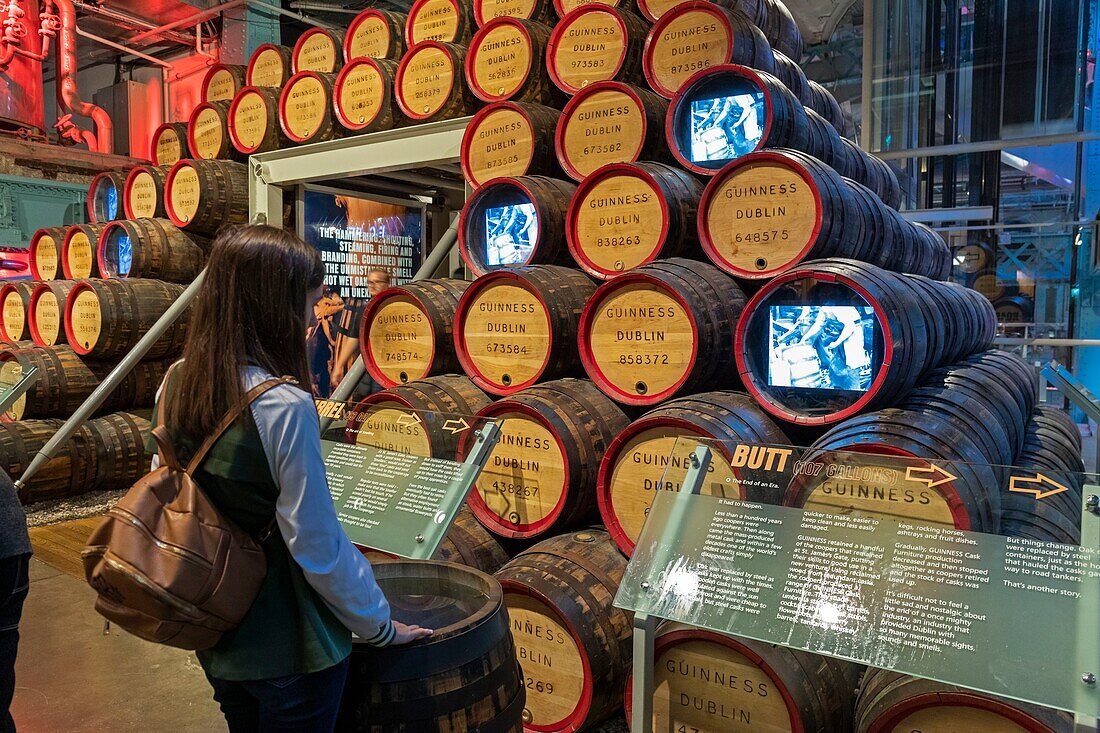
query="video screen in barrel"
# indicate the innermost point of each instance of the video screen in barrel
(720, 119)
(814, 347)
(106, 201)
(118, 253)
(504, 230)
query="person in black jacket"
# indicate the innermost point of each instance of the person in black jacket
(15, 556)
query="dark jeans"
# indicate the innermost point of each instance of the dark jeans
(13, 591)
(300, 703)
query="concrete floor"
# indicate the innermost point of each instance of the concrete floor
(72, 678)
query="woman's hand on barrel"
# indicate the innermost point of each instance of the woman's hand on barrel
(407, 634)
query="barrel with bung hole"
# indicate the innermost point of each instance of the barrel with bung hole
(541, 475)
(661, 330)
(429, 84)
(318, 49)
(105, 318)
(697, 35)
(305, 108)
(169, 144)
(515, 221)
(143, 192)
(610, 122)
(573, 645)
(363, 96)
(653, 454)
(71, 471)
(770, 210)
(270, 66)
(254, 121)
(105, 196)
(509, 139)
(704, 681)
(792, 76)
(792, 357)
(44, 252)
(782, 29)
(626, 215)
(45, 312)
(411, 418)
(15, 296)
(505, 61)
(408, 331)
(539, 11)
(596, 42)
(119, 441)
(891, 701)
(152, 248)
(208, 132)
(448, 21)
(518, 326)
(376, 34)
(773, 117)
(202, 196)
(463, 677)
(78, 259)
(222, 82)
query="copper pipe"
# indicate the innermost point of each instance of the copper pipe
(68, 95)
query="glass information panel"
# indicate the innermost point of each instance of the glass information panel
(15, 381)
(1010, 615)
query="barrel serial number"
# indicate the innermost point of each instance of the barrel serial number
(602, 149)
(505, 487)
(774, 235)
(643, 359)
(547, 687)
(494, 347)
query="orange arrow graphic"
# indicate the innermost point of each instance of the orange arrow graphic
(408, 418)
(454, 427)
(1015, 481)
(910, 472)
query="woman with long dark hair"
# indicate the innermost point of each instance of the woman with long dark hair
(283, 668)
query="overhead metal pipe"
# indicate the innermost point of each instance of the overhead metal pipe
(189, 20)
(68, 95)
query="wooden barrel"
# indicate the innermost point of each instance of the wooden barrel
(824, 142)
(509, 139)
(824, 103)
(1052, 448)
(105, 318)
(143, 192)
(78, 259)
(610, 122)
(541, 475)
(269, 66)
(974, 257)
(505, 61)
(202, 196)
(119, 441)
(626, 215)
(697, 35)
(15, 296)
(754, 10)
(704, 681)
(305, 108)
(662, 330)
(891, 701)
(254, 121)
(780, 120)
(905, 325)
(768, 211)
(422, 418)
(318, 49)
(61, 385)
(44, 252)
(792, 76)
(518, 326)
(653, 454)
(594, 43)
(782, 30)
(46, 312)
(463, 677)
(564, 7)
(466, 543)
(408, 331)
(363, 96)
(208, 132)
(447, 21)
(874, 173)
(105, 196)
(152, 248)
(376, 34)
(429, 84)
(515, 221)
(169, 144)
(138, 389)
(71, 471)
(222, 82)
(1015, 309)
(539, 11)
(574, 646)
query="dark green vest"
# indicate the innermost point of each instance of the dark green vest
(289, 629)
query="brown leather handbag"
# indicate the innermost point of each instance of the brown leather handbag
(167, 565)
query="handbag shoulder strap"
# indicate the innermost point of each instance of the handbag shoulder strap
(231, 417)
